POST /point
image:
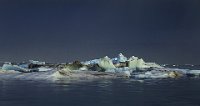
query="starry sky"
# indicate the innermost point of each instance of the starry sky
(162, 31)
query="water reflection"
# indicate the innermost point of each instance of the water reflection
(115, 92)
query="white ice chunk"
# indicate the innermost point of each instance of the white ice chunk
(42, 69)
(121, 58)
(91, 62)
(152, 74)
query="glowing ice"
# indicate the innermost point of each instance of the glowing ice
(106, 63)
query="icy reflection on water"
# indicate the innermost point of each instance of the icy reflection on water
(119, 92)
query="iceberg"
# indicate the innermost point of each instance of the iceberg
(124, 71)
(91, 62)
(141, 64)
(133, 62)
(136, 63)
(9, 66)
(106, 63)
(192, 73)
(105, 67)
(32, 66)
(121, 58)
(122, 61)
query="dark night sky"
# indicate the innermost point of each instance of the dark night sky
(164, 31)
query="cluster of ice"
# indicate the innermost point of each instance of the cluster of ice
(105, 67)
(35, 66)
(122, 61)
(119, 65)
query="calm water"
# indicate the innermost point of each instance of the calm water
(120, 92)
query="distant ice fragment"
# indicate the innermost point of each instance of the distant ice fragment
(36, 62)
(43, 69)
(157, 74)
(91, 62)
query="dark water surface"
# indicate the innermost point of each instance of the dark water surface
(119, 92)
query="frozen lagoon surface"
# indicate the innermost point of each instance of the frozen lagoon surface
(182, 91)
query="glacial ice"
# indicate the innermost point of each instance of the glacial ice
(158, 74)
(152, 74)
(121, 58)
(43, 69)
(119, 66)
(194, 72)
(106, 63)
(133, 62)
(125, 71)
(136, 63)
(91, 62)
(9, 66)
